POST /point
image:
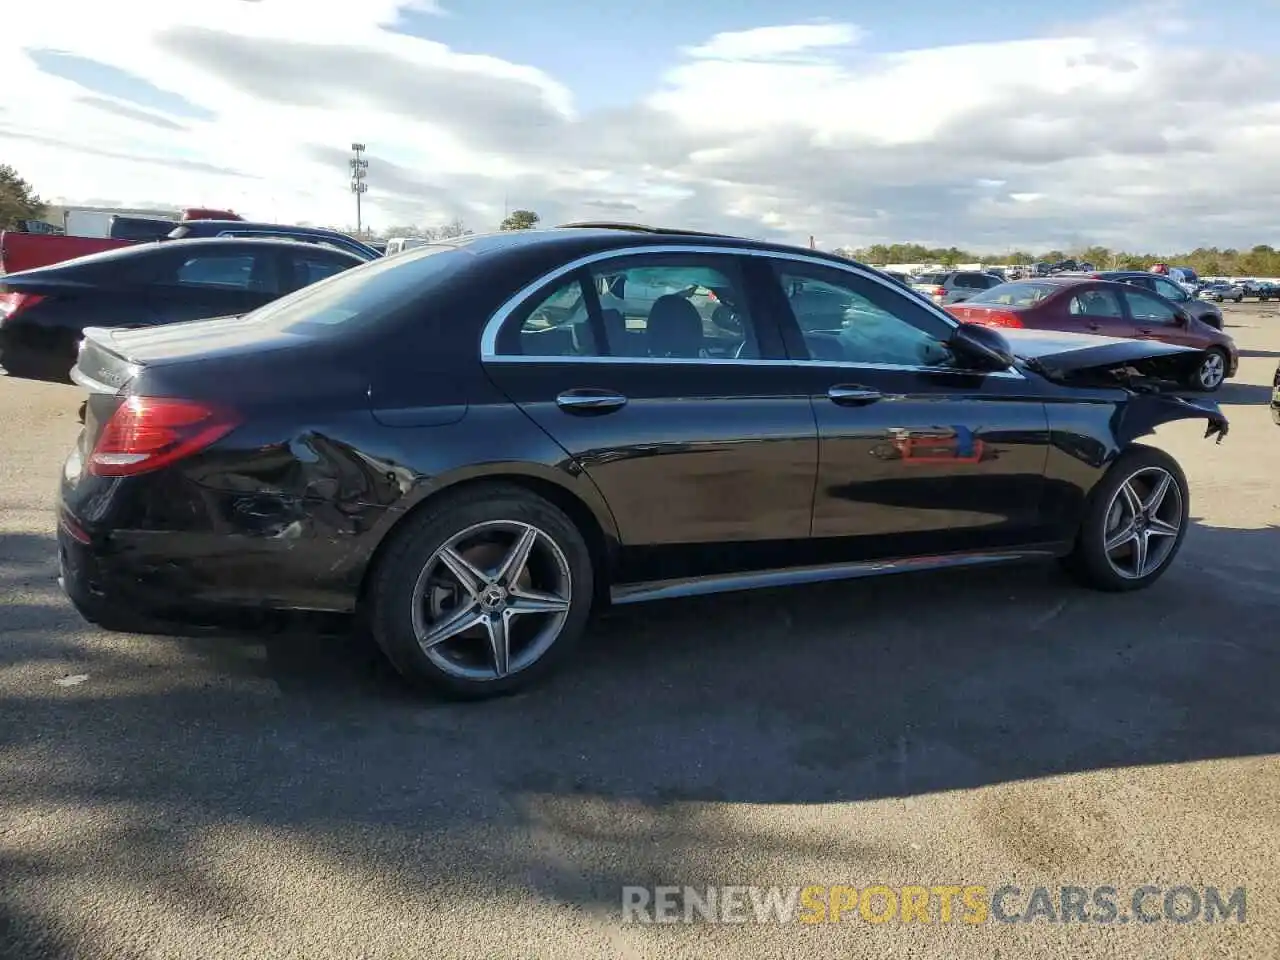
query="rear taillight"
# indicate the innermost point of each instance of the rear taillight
(994, 318)
(12, 304)
(938, 292)
(146, 433)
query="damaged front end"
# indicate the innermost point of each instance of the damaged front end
(1149, 370)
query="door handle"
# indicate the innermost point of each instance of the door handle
(853, 395)
(590, 400)
(1095, 326)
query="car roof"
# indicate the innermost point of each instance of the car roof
(604, 235)
(205, 243)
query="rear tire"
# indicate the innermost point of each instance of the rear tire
(457, 611)
(1144, 496)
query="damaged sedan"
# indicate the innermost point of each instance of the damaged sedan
(474, 445)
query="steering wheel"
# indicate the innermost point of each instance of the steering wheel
(726, 318)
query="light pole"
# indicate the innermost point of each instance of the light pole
(359, 168)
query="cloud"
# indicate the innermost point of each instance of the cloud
(1123, 132)
(130, 113)
(773, 43)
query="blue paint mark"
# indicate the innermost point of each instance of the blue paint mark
(114, 82)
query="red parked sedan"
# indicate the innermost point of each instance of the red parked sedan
(1085, 305)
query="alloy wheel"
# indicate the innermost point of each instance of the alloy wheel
(492, 600)
(1212, 371)
(1143, 521)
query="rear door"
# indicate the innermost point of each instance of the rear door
(681, 410)
(916, 456)
(1098, 310)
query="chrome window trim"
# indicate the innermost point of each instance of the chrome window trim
(1010, 374)
(489, 339)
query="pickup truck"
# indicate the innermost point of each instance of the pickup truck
(26, 251)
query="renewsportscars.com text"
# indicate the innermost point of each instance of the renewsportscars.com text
(940, 903)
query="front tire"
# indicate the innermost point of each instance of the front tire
(1134, 523)
(1208, 375)
(482, 594)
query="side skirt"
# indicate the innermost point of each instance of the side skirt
(795, 576)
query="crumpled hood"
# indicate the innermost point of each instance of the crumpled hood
(1058, 352)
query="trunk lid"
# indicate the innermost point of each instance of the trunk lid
(204, 339)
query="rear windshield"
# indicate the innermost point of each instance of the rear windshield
(364, 294)
(1017, 294)
(937, 279)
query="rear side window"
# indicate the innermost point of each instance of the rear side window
(232, 271)
(559, 325)
(1095, 303)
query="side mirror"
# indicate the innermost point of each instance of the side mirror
(981, 348)
(1184, 318)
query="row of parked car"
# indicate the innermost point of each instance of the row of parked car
(1238, 290)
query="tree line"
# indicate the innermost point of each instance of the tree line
(1260, 261)
(515, 220)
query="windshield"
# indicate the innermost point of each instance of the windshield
(1020, 294)
(364, 294)
(932, 279)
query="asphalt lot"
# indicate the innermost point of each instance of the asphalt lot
(183, 798)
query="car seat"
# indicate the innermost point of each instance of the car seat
(674, 328)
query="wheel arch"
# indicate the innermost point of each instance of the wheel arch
(578, 498)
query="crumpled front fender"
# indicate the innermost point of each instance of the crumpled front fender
(1146, 411)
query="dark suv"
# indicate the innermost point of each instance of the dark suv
(1202, 310)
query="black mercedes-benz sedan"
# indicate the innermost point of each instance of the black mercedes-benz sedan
(473, 445)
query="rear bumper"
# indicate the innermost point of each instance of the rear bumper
(141, 582)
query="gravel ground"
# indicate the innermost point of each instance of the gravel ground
(209, 798)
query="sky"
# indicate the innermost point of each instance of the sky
(986, 125)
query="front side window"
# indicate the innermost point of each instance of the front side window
(309, 270)
(1147, 309)
(1170, 290)
(847, 319)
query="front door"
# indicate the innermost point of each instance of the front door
(916, 456)
(679, 407)
(1155, 319)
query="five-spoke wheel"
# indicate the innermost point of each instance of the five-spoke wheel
(482, 591)
(1134, 522)
(492, 599)
(1143, 522)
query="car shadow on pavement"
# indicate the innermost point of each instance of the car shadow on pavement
(1235, 392)
(638, 764)
(1265, 354)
